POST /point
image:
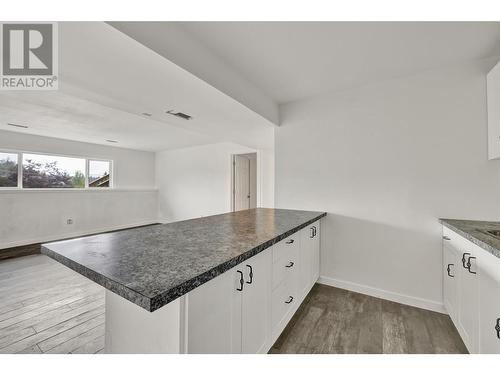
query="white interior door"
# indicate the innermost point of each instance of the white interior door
(241, 192)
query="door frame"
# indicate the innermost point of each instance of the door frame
(258, 181)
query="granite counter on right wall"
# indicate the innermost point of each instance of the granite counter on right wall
(478, 232)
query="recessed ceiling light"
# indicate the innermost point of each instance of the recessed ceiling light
(17, 125)
(146, 114)
(179, 114)
(111, 141)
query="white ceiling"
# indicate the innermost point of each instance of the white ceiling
(56, 114)
(108, 79)
(295, 60)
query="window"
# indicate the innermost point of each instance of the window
(46, 171)
(41, 171)
(9, 170)
(99, 173)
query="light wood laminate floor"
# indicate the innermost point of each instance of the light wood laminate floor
(47, 308)
(332, 320)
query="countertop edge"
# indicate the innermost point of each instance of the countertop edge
(154, 303)
(470, 237)
(104, 281)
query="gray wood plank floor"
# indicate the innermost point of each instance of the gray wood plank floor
(47, 308)
(332, 320)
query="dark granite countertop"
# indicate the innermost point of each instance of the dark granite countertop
(476, 232)
(152, 266)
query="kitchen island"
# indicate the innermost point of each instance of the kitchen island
(188, 287)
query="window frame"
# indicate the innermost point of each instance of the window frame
(86, 158)
(87, 170)
(19, 176)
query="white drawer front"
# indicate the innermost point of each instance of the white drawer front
(285, 247)
(283, 298)
(285, 266)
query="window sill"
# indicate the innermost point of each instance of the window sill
(73, 190)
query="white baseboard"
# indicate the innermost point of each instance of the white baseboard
(384, 294)
(74, 234)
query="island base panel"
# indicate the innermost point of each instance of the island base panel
(132, 330)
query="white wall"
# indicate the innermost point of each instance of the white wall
(36, 216)
(386, 161)
(196, 181)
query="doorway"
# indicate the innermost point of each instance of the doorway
(244, 181)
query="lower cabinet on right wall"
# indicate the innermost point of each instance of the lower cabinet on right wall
(489, 307)
(471, 292)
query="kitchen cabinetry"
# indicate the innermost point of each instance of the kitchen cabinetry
(493, 98)
(309, 257)
(245, 309)
(230, 314)
(450, 279)
(468, 296)
(213, 315)
(256, 303)
(286, 263)
(471, 292)
(489, 294)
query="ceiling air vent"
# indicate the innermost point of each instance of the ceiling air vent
(179, 114)
(17, 125)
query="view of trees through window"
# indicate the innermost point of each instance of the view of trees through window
(51, 171)
(8, 170)
(45, 171)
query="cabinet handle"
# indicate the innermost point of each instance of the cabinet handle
(241, 281)
(446, 238)
(312, 232)
(314, 229)
(290, 265)
(290, 299)
(497, 328)
(463, 260)
(250, 274)
(448, 269)
(290, 241)
(469, 265)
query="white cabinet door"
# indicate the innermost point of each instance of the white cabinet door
(493, 97)
(256, 304)
(468, 296)
(309, 257)
(306, 259)
(450, 281)
(489, 295)
(315, 252)
(214, 315)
